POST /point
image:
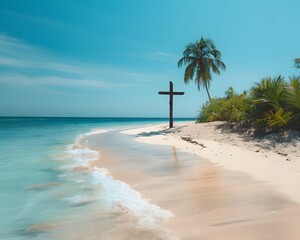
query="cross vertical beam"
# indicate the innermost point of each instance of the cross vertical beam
(171, 93)
(171, 106)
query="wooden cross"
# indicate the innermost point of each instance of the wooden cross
(171, 93)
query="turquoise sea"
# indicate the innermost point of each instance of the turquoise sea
(36, 189)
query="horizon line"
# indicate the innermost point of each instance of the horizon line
(86, 117)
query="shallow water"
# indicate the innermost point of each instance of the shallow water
(38, 192)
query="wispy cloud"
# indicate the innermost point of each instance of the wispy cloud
(23, 64)
(161, 56)
(164, 54)
(158, 56)
(20, 80)
(34, 18)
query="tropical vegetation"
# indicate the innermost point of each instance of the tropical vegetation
(232, 108)
(272, 104)
(202, 59)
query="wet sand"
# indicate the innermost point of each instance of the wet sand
(208, 202)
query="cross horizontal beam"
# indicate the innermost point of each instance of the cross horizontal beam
(168, 93)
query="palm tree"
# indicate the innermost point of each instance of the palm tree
(201, 58)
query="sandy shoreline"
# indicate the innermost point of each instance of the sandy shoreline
(215, 184)
(275, 164)
(246, 189)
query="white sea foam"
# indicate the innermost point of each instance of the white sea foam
(81, 154)
(81, 139)
(96, 131)
(121, 196)
(80, 199)
(118, 195)
(75, 199)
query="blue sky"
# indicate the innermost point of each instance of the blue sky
(110, 58)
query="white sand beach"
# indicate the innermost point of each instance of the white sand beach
(271, 162)
(238, 188)
(216, 184)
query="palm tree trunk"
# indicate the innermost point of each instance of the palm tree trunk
(207, 92)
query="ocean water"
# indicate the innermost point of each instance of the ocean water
(42, 191)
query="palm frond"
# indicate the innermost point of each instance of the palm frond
(217, 54)
(190, 72)
(292, 96)
(269, 91)
(297, 62)
(278, 118)
(185, 60)
(209, 43)
(215, 69)
(188, 48)
(219, 64)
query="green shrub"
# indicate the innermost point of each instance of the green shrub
(232, 108)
